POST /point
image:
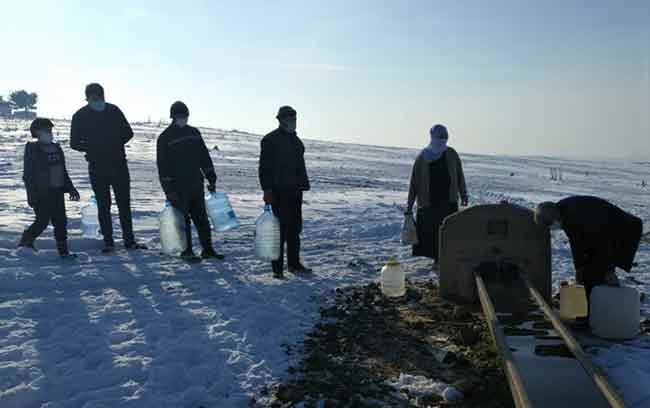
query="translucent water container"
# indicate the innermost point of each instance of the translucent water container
(172, 230)
(90, 219)
(615, 312)
(220, 211)
(573, 301)
(267, 235)
(393, 279)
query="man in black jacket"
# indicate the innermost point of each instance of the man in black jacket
(46, 180)
(100, 130)
(183, 164)
(602, 236)
(283, 177)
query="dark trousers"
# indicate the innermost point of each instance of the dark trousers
(287, 206)
(101, 180)
(594, 271)
(50, 208)
(428, 224)
(192, 205)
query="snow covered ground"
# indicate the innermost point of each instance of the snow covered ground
(136, 329)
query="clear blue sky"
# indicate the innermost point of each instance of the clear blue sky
(548, 77)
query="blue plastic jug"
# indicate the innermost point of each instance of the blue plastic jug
(90, 219)
(220, 211)
(267, 235)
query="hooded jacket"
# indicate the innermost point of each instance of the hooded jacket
(36, 172)
(600, 230)
(183, 160)
(420, 177)
(101, 135)
(282, 163)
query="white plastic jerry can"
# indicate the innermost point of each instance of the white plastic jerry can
(393, 279)
(172, 230)
(267, 235)
(573, 301)
(220, 211)
(90, 219)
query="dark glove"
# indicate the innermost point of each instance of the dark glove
(212, 187)
(74, 195)
(268, 197)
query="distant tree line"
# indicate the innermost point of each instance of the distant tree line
(22, 101)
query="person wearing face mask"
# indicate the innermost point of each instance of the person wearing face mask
(437, 183)
(283, 178)
(184, 163)
(101, 131)
(46, 180)
(602, 236)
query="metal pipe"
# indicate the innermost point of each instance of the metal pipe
(512, 372)
(593, 371)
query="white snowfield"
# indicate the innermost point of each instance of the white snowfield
(136, 329)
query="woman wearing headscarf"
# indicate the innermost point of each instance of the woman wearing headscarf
(437, 184)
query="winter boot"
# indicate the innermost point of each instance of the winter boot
(64, 252)
(27, 241)
(205, 236)
(300, 269)
(133, 245)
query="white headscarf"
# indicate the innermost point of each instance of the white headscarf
(438, 144)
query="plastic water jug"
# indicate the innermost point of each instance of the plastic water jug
(267, 235)
(573, 301)
(220, 211)
(172, 230)
(615, 312)
(89, 219)
(393, 279)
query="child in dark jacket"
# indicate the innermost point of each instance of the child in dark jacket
(46, 180)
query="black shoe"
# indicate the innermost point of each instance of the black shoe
(26, 241)
(108, 249)
(278, 275)
(300, 269)
(189, 256)
(64, 252)
(134, 246)
(211, 254)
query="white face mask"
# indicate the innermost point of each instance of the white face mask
(45, 136)
(180, 122)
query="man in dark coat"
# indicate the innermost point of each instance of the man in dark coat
(183, 165)
(602, 236)
(46, 180)
(283, 177)
(100, 130)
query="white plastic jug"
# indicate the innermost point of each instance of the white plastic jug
(172, 230)
(90, 219)
(221, 214)
(573, 301)
(615, 312)
(393, 279)
(267, 235)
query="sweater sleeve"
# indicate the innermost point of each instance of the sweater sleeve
(126, 133)
(207, 166)
(28, 171)
(77, 138)
(413, 187)
(68, 186)
(266, 165)
(462, 187)
(162, 162)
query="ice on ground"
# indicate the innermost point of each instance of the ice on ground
(137, 329)
(419, 386)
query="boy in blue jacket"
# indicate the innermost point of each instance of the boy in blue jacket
(46, 180)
